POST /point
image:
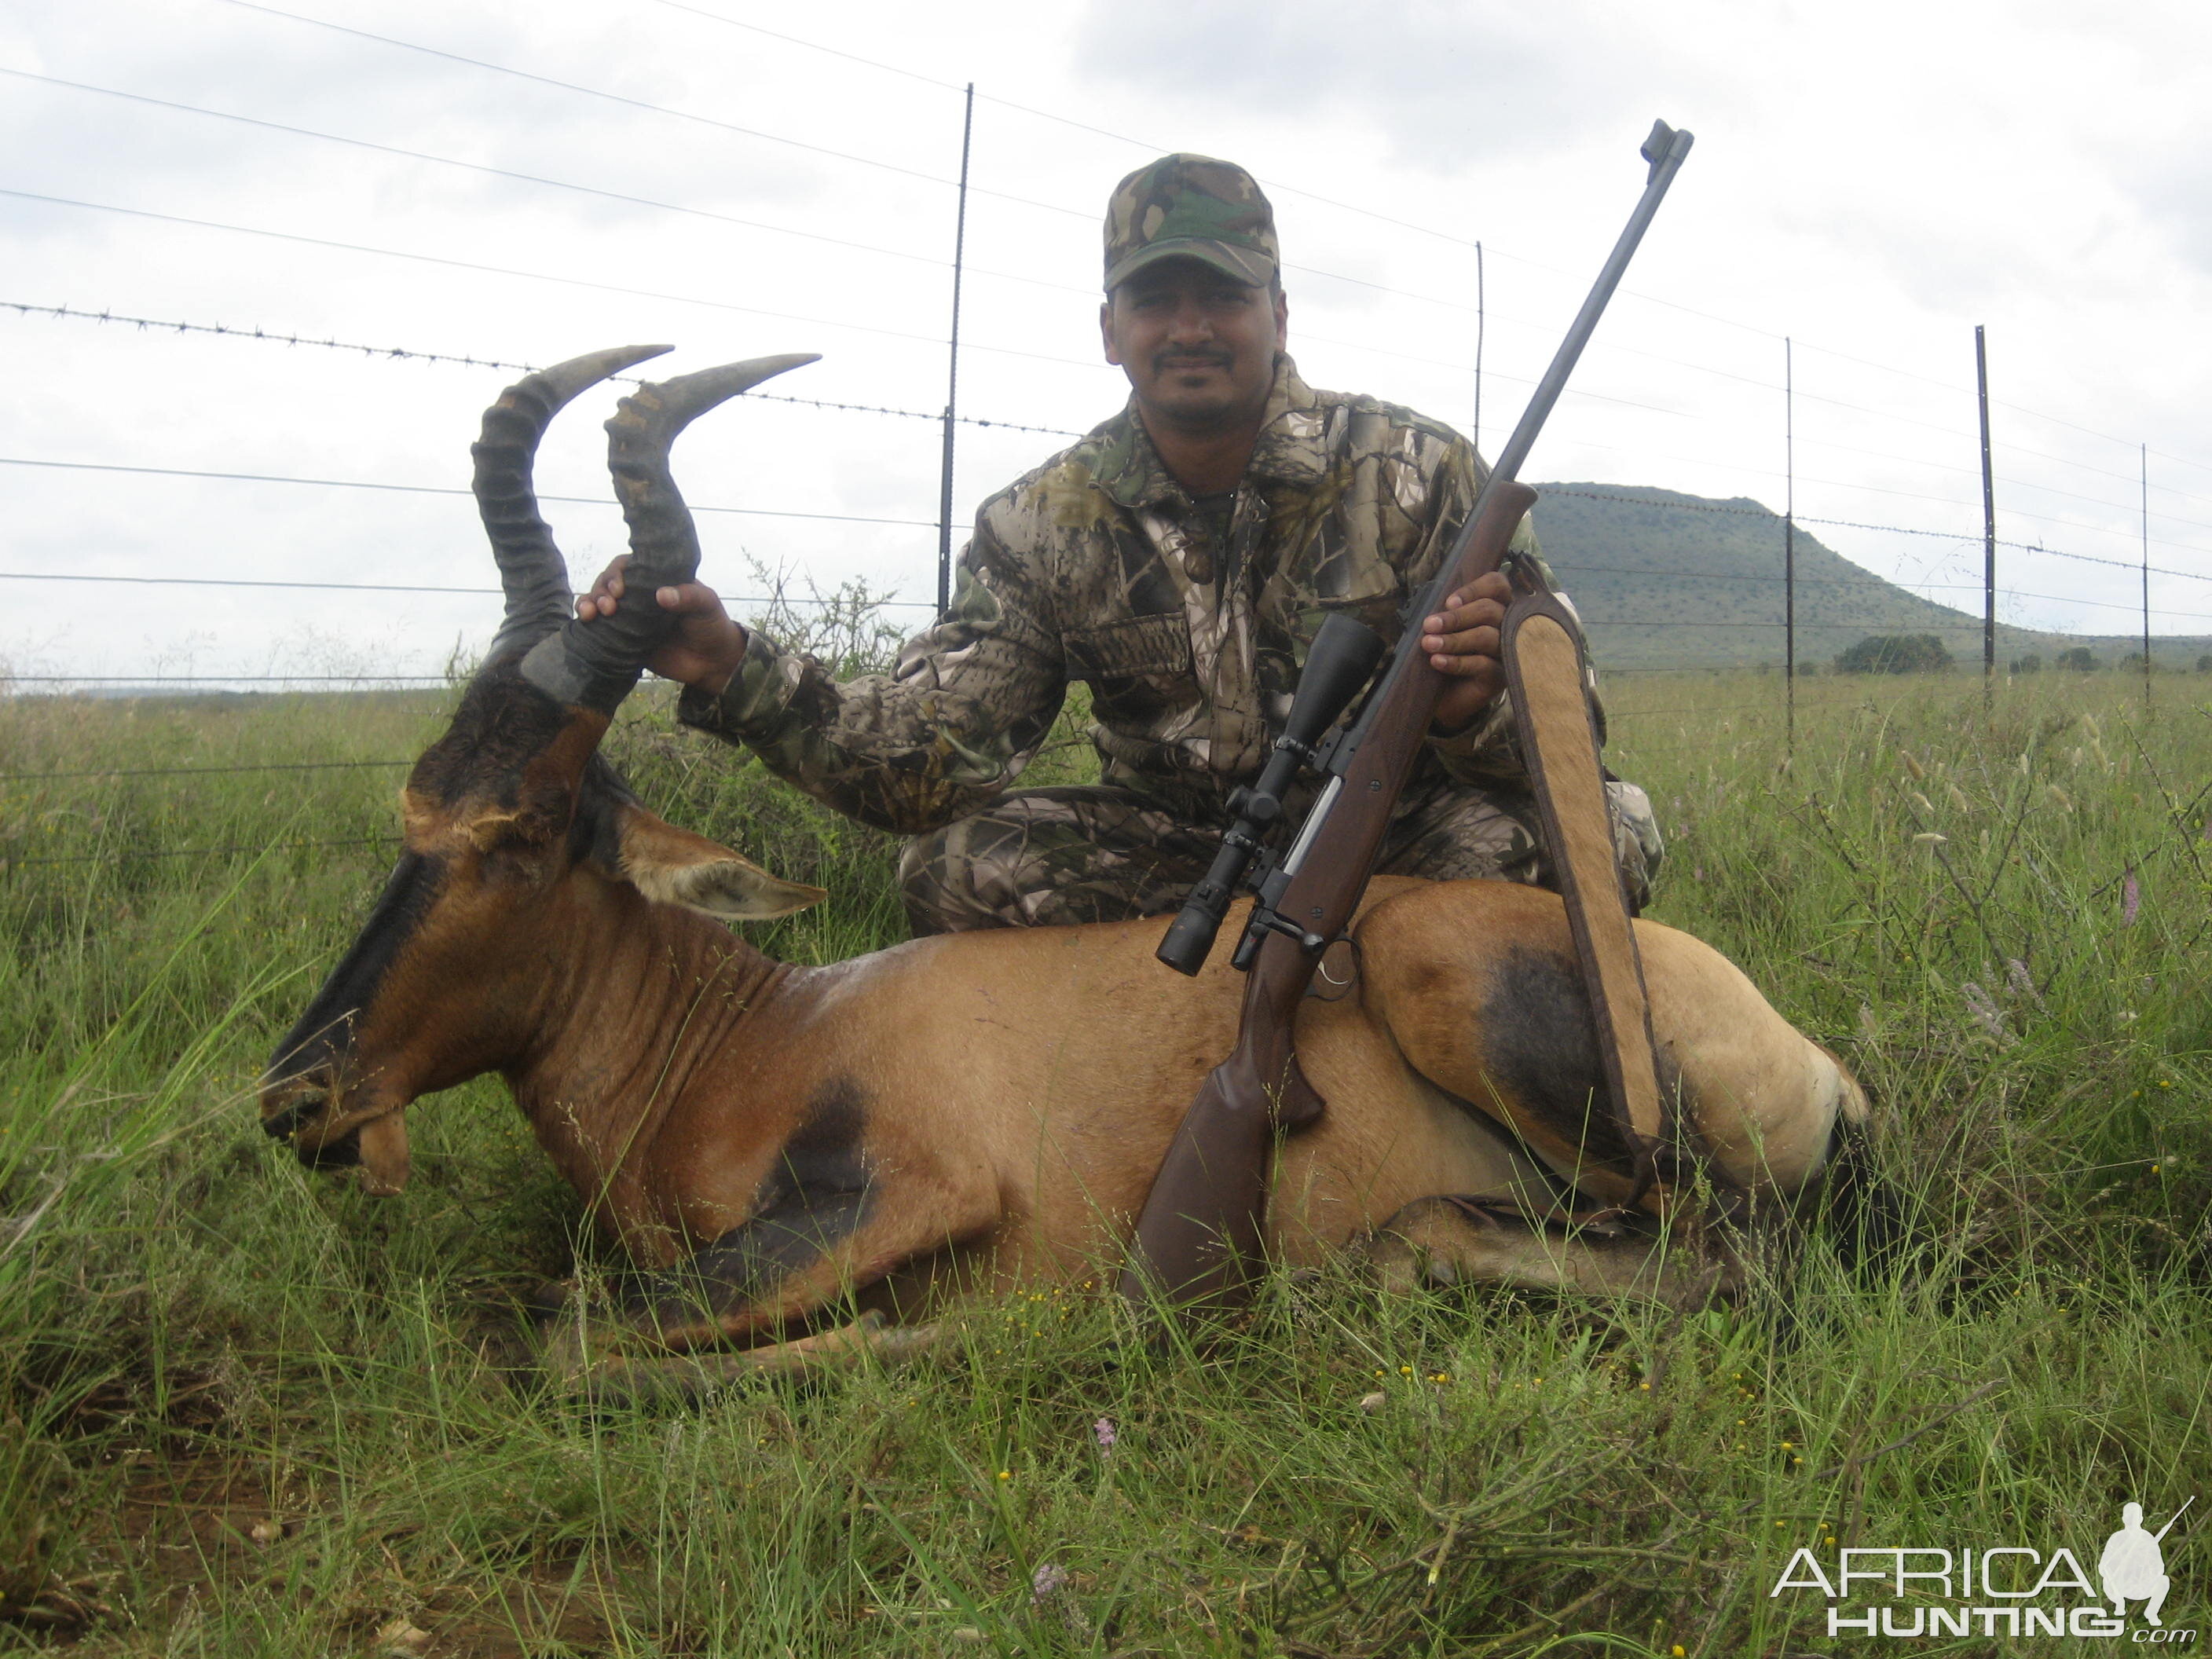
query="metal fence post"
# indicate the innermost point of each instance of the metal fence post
(1988, 525)
(952, 370)
(2143, 456)
(1790, 539)
(1480, 328)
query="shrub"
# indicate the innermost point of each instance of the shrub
(2081, 659)
(1895, 654)
(2030, 663)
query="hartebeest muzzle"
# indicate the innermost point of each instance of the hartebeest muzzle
(312, 1090)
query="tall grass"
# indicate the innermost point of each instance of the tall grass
(247, 1410)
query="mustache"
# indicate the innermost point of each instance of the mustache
(1189, 359)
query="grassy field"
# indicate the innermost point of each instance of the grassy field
(246, 1410)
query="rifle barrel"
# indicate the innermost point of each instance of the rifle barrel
(2161, 1536)
(1665, 150)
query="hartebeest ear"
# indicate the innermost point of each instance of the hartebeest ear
(674, 866)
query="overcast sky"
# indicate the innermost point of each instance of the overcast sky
(1871, 181)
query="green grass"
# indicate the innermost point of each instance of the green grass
(246, 1410)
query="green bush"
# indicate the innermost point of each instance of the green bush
(1895, 654)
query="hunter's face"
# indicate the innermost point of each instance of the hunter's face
(1199, 348)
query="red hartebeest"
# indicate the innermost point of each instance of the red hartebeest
(769, 1142)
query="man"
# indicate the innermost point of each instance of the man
(1178, 560)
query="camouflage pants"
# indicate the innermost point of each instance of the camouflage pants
(1100, 853)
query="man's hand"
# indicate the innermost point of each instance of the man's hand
(706, 648)
(1462, 643)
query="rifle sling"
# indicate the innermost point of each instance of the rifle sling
(1547, 672)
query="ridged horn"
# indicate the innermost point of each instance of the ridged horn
(597, 663)
(530, 567)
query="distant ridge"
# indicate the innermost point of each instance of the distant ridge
(1702, 581)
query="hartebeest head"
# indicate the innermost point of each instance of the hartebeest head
(516, 831)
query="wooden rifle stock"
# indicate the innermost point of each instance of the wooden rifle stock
(1198, 1237)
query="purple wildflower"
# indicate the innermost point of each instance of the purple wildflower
(1103, 1432)
(2130, 899)
(1047, 1580)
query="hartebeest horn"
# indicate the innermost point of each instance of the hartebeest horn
(530, 567)
(596, 663)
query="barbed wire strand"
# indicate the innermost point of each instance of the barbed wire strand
(871, 161)
(406, 354)
(535, 275)
(10, 861)
(703, 213)
(199, 771)
(434, 490)
(1646, 453)
(1720, 509)
(1057, 208)
(225, 679)
(1887, 529)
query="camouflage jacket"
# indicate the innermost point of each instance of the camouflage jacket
(1097, 568)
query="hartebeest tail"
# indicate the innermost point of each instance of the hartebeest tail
(770, 1142)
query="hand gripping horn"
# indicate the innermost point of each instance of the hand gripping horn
(530, 568)
(596, 663)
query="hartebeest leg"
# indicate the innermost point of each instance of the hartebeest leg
(810, 1250)
(1505, 1028)
(1441, 1241)
(616, 1378)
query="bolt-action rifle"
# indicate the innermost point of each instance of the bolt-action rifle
(1198, 1236)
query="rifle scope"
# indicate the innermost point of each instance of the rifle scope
(1343, 654)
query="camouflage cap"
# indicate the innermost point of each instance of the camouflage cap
(1190, 207)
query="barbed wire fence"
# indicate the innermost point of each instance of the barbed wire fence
(947, 423)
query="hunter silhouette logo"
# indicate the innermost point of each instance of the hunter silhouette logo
(2134, 1567)
(1998, 1589)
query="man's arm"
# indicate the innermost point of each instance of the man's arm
(948, 728)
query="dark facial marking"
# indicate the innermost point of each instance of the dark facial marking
(503, 723)
(815, 1195)
(325, 1032)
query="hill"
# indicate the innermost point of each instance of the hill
(1668, 580)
